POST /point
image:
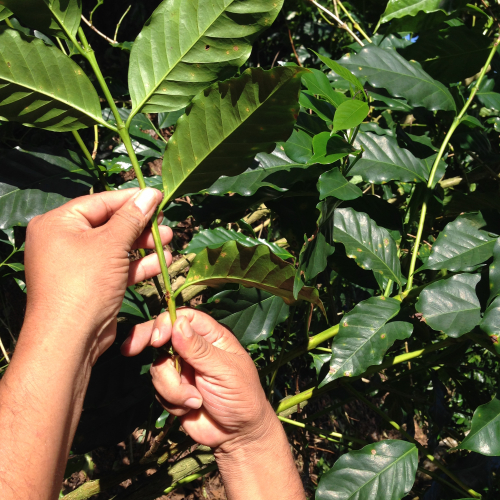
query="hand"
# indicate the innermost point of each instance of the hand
(218, 394)
(77, 265)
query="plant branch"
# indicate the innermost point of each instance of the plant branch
(4, 352)
(354, 23)
(424, 450)
(338, 21)
(120, 23)
(93, 28)
(454, 125)
(192, 477)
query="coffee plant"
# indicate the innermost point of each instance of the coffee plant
(335, 200)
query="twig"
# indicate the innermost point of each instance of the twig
(293, 46)
(96, 141)
(6, 356)
(354, 23)
(120, 22)
(158, 439)
(92, 27)
(426, 242)
(339, 21)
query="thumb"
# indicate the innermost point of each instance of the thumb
(194, 349)
(128, 223)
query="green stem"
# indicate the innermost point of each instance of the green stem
(442, 149)
(87, 154)
(354, 23)
(8, 23)
(321, 432)
(120, 23)
(430, 457)
(191, 478)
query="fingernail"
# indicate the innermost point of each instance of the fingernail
(155, 336)
(127, 342)
(146, 200)
(193, 403)
(186, 330)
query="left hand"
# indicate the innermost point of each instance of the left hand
(77, 262)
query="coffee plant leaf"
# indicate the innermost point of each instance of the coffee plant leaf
(387, 69)
(490, 324)
(460, 246)
(214, 238)
(370, 245)
(166, 120)
(450, 55)
(299, 147)
(380, 471)
(134, 307)
(59, 18)
(227, 125)
(36, 98)
(400, 8)
(185, 47)
(350, 114)
(255, 267)
(4, 13)
(487, 97)
(494, 272)
(383, 161)
(322, 108)
(390, 103)
(317, 82)
(330, 148)
(33, 182)
(485, 430)
(250, 313)
(333, 183)
(313, 260)
(273, 170)
(364, 337)
(451, 306)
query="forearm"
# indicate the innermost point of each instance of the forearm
(41, 398)
(261, 469)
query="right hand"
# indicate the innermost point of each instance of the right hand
(218, 395)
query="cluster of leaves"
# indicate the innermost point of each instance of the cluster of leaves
(372, 172)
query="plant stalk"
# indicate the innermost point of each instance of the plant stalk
(191, 478)
(354, 23)
(120, 23)
(454, 125)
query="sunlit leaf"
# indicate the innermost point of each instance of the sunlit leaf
(330, 148)
(490, 324)
(350, 114)
(400, 8)
(333, 183)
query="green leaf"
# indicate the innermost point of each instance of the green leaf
(214, 238)
(392, 104)
(227, 125)
(494, 272)
(134, 306)
(330, 148)
(386, 68)
(255, 267)
(4, 13)
(487, 97)
(380, 471)
(372, 246)
(461, 245)
(34, 182)
(485, 430)
(364, 337)
(184, 47)
(400, 8)
(51, 17)
(450, 55)
(274, 170)
(350, 114)
(166, 120)
(383, 160)
(317, 82)
(251, 314)
(299, 147)
(451, 306)
(490, 324)
(32, 94)
(322, 108)
(333, 183)
(312, 261)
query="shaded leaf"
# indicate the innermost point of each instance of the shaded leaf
(487, 97)
(317, 82)
(490, 323)
(330, 148)
(51, 17)
(380, 471)
(227, 125)
(254, 267)
(461, 245)
(372, 246)
(214, 238)
(485, 430)
(38, 98)
(383, 160)
(451, 306)
(386, 68)
(134, 306)
(364, 337)
(166, 120)
(322, 108)
(299, 147)
(4, 13)
(249, 313)
(34, 182)
(494, 272)
(333, 183)
(184, 47)
(350, 114)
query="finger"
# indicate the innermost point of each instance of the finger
(178, 411)
(139, 338)
(127, 223)
(169, 385)
(146, 240)
(146, 268)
